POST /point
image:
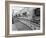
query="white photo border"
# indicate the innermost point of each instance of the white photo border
(24, 32)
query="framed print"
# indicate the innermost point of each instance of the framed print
(24, 18)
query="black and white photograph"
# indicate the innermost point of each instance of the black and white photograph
(25, 18)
